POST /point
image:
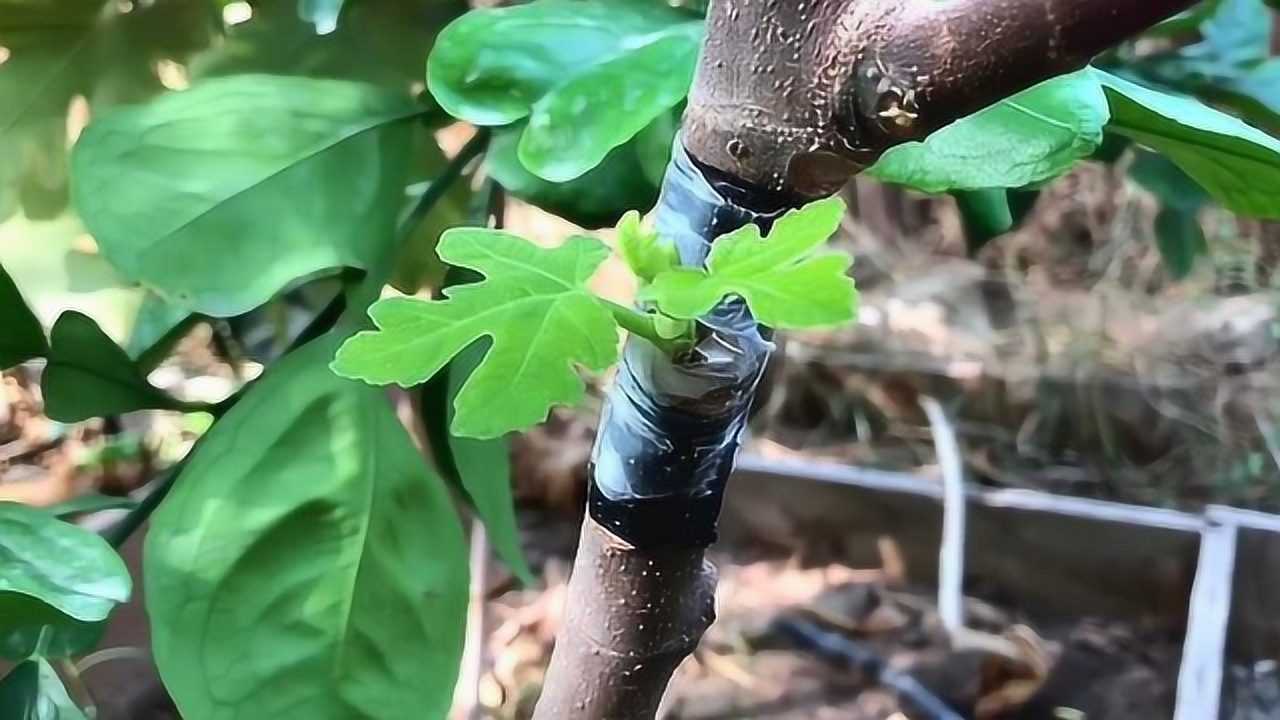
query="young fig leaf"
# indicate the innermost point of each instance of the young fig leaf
(784, 278)
(644, 252)
(534, 305)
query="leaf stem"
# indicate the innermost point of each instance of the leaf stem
(438, 187)
(645, 325)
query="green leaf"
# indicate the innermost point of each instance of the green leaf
(784, 280)
(23, 337)
(595, 200)
(481, 469)
(1032, 137)
(533, 304)
(645, 253)
(1180, 239)
(1237, 164)
(53, 572)
(33, 691)
(588, 76)
(986, 215)
(1162, 178)
(307, 565)
(201, 196)
(88, 375)
(89, 503)
(157, 328)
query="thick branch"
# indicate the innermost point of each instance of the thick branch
(797, 96)
(631, 617)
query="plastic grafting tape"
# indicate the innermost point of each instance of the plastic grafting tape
(671, 429)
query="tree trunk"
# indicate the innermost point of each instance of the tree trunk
(792, 98)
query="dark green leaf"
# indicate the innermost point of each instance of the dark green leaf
(90, 503)
(33, 691)
(22, 337)
(597, 199)
(53, 572)
(1237, 164)
(986, 215)
(1173, 187)
(588, 76)
(57, 637)
(88, 375)
(481, 469)
(1180, 239)
(201, 196)
(1034, 136)
(307, 565)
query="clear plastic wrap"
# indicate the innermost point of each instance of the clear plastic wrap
(671, 428)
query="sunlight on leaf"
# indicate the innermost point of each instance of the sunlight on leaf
(533, 304)
(784, 278)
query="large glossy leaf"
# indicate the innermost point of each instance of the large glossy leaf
(1237, 164)
(218, 197)
(598, 199)
(33, 691)
(588, 76)
(88, 375)
(1034, 136)
(307, 565)
(380, 41)
(22, 337)
(52, 572)
(533, 304)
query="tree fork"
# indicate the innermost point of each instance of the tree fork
(791, 99)
(799, 96)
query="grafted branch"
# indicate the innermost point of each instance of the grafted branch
(798, 95)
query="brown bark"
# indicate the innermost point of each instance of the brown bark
(799, 95)
(631, 617)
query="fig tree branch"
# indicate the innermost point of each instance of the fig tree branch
(799, 95)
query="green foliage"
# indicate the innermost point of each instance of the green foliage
(88, 375)
(588, 76)
(184, 194)
(33, 691)
(1237, 164)
(597, 199)
(479, 469)
(986, 214)
(89, 503)
(53, 574)
(533, 305)
(22, 338)
(307, 564)
(323, 14)
(647, 254)
(784, 279)
(1179, 235)
(1032, 137)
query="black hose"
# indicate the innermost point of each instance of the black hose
(840, 650)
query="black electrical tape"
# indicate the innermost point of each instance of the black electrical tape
(671, 428)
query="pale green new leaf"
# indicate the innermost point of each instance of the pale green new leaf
(307, 564)
(644, 251)
(533, 304)
(786, 282)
